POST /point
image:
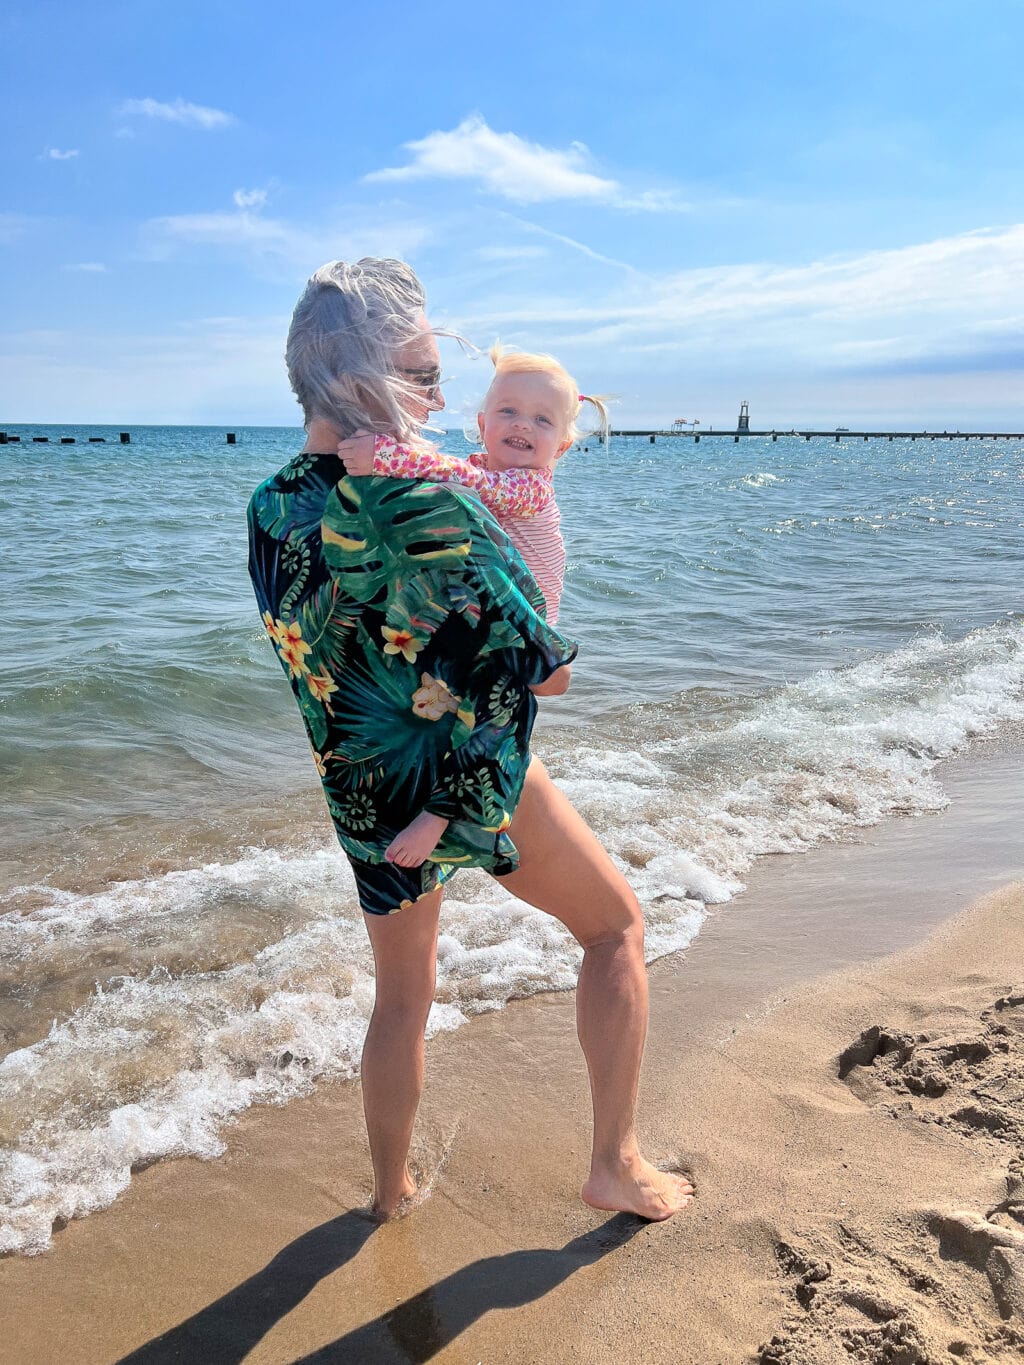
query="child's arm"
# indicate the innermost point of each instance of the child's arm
(509, 492)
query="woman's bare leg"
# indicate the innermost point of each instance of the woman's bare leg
(405, 954)
(565, 871)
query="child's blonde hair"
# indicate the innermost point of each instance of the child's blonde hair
(529, 362)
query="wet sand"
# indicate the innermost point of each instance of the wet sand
(878, 1211)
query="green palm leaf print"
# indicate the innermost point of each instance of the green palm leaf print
(379, 534)
(377, 726)
(326, 622)
(293, 509)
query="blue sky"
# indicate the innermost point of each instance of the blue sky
(817, 207)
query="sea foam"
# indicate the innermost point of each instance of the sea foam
(246, 981)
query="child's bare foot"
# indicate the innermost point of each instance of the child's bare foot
(637, 1187)
(414, 844)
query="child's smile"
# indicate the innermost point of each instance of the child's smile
(526, 421)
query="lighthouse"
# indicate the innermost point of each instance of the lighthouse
(744, 419)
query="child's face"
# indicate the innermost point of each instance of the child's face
(525, 421)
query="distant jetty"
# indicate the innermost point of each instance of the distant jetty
(688, 427)
(834, 435)
(13, 438)
(125, 438)
(690, 431)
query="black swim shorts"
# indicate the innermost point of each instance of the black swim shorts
(385, 888)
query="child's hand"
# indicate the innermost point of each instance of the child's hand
(414, 844)
(357, 453)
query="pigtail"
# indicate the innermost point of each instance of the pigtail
(599, 402)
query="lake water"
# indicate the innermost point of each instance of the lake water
(780, 643)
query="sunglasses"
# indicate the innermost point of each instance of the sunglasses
(424, 379)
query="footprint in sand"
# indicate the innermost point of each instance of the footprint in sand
(971, 1081)
(987, 1246)
(843, 1318)
(912, 1297)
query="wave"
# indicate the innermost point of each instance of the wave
(761, 479)
(245, 981)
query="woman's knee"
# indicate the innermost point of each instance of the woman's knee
(405, 986)
(404, 1008)
(621, 922)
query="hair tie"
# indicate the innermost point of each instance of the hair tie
(582, 397)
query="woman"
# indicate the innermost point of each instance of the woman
(410, 631)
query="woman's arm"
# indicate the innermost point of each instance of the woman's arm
(509, 492)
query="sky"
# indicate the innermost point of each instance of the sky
(813, 205)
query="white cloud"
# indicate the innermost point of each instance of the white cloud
(214, 370)
(524, 172)
(503, 163)
(921, 332)
(916, 332)
(13, 226)
(510, 253)
(250, 199)
(973, 277)
(661, 201)
(89, 267)
(563, 240)
(278, 245)
(224, 228)
(55, 154)
(179, 111)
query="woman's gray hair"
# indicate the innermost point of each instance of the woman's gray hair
(343, 341)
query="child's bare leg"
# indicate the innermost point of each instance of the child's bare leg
(413, 845)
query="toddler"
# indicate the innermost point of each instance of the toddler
(527, 422)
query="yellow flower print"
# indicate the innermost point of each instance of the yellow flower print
(272, 627)
(433, 699)
(321, 687)
(468, 717)
(502, 826)
(292, 647)
(321, 761)
(401, 642)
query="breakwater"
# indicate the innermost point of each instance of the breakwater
(835, 435)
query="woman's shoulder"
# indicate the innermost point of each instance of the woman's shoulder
(302, 469)
(295, 495)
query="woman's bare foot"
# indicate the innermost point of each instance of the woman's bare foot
(637, 1187)
(397, 1201)
(413, 845)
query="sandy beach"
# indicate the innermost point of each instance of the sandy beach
(838, 1061)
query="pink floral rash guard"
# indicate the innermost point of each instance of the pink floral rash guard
(522, 501)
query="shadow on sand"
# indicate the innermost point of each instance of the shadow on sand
(227, 1329)
(414, 1331)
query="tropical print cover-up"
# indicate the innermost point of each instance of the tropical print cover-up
(410, 631)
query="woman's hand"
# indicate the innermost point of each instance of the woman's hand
(357, 453)
(555, 686)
